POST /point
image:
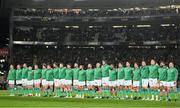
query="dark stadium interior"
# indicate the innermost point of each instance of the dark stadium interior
(47, 31)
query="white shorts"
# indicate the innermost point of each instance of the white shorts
(38, 81)
(136, 83)
(113, 83)
(11, 82)
(75, 82)
(56, 82)
(145, 82)
(105, 81)
(171, 84)
(120, 82)
(18, 82)
(152, 82)
(163, 83)
(62, 81)
(29, 82)
(81, 83)
(44, 82)
(90, 83)
(68, 82)
(128, 82)
(97, 82)
(24, 82)
(50, 83)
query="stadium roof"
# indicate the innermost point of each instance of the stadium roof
(87, 3)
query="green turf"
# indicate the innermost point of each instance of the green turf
(7, 102)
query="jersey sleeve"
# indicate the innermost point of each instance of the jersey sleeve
(176, 74)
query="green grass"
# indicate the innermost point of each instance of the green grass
(47, 102)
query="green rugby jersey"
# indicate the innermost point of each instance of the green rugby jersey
(18, 74)
(75, 73)
(105, 70)
(11, 74)
(153, 71)
(62, 73)
(112, 75)
(37, 74)
(136, 74)
(144, 72)
(56, 73)
(82, 75)
(30, 75)
(120, 73)
(24, 73)
(128, 73)
(97, 74)
(43, 73)
(49, 75)
(162, 73)
(69, 74)
(90, 74)
(172, 74)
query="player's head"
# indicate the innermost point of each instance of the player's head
(81, 66)
(127, 64)
(11, 66)
(76, 65)
(55, 65)
(153, 62)
(111, 66)
(30, 67)
(90, 66)
(135, 65)
(68, 65)
(98, 64)
(49, 66)
(35, 66)
(61, 65)
(18, 66)
(24, 65)
(44, 66)
(171, 64)
(162, 64)
(143, 63)
(120, 64)
(103, 62)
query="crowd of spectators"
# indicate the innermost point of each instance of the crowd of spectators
(101, 34)
(113, 54)
(95, 12)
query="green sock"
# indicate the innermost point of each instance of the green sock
(51, 91)
(175, 95)
(139, 94)
(38, 90)
(135, 94)
(58, 91)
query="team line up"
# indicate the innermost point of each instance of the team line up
(146, 82)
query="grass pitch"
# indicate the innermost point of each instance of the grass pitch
(49, 102)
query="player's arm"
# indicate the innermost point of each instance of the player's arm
(176, 75)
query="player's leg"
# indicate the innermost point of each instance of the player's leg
(11, 87)
(156, 87)
(51, 88)
(161, 88)
(19, 87)
(152, 91)
(145, 89)
(31, 88)
(56, 87)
